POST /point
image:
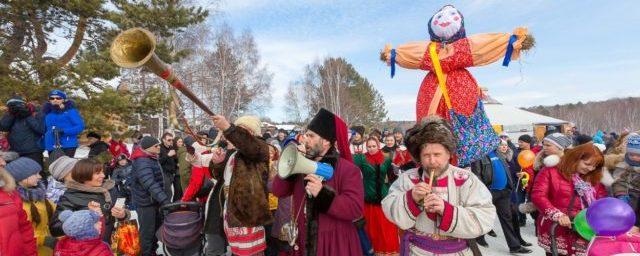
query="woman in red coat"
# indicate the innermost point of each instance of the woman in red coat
(16, 232)
(561, 192)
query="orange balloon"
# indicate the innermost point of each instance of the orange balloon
(526, 158)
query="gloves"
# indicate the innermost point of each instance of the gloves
(50, 241)
(624, 198)
(19, 110)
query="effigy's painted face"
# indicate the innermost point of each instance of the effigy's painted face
(446, 22)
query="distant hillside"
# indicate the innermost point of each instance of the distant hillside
(613, 115)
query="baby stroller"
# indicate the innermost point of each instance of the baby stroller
(181, 230)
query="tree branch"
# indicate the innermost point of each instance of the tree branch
(75, 45)
(13, 45)
(41, 48)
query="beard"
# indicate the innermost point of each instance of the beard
(314, 152)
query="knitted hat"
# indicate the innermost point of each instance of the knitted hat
(15, 100)
(94, 135)
(23, 168)
(525, 138)
(189, 141)
(332, 128)
(61, 167)
(358, 129)
(251, 123)
(633, 144)
(148, 141)
(559, 140)
(58, 93)
(80, 224)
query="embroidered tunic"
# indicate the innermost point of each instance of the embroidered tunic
(468, 213)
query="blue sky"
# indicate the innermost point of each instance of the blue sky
(586, 50)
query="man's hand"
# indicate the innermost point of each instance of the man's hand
(434, 204)
(420, 191)
(171, 153)
(218, 156)
(564, 221)
(220, 122)
(314, 184)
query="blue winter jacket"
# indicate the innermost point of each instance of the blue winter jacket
(24, 133)
(147, 186)
(67, 122)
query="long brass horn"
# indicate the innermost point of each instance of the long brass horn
(135, 47)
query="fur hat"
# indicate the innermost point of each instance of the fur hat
(251, 123)
(559, 140)
(61, 167)
(148, 141)
(80, 224)
(23, 168)
(9, 156)
(332, 128)
(431, 130)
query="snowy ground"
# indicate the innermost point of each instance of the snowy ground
(498, 245)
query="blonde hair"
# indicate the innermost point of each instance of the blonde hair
(6, 178)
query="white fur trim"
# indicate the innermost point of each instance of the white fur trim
(601, 147)
(607, 179)
(551, 160)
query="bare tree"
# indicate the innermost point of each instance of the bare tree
(335, 85)
(610, 115)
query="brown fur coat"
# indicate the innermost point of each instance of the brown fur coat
(247, 203)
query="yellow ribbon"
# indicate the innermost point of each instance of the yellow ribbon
(439, 75)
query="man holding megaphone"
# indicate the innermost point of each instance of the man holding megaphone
(322, 223)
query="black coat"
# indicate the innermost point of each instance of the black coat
(97, 148)
(147, 184)
(25, 134)
(483, 169)
(77, 197)
(168, 163)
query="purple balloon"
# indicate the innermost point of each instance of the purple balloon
(610, 217)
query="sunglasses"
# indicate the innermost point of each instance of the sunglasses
(55, 98)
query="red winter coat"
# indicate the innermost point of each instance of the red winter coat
(198, 174)
(552, 194)
(16, 232)
(68, 246)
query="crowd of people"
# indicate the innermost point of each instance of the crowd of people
(391, 192)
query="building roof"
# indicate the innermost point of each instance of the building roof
(499, 114)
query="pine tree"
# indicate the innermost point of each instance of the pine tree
(29, 67)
